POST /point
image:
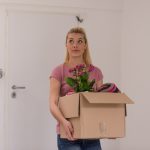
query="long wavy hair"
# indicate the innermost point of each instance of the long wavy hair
(86, 55)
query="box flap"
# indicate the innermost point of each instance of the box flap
(103, 97)
(69, 105)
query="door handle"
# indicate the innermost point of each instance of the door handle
(1, 73)
(14, 87)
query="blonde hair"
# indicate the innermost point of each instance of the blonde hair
(86, 54)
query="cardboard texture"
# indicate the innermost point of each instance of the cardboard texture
(95, 114)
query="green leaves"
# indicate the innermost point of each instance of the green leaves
(72, 82)
(80, 81)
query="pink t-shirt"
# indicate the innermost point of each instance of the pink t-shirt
(62, 71)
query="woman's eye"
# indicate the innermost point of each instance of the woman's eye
(80, 41)
(71, 41)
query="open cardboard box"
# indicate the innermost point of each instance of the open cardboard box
(95, 114)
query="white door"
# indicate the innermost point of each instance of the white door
(35, 44)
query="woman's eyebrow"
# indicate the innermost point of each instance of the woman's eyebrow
(81, 38)
(78, 38)
(70, 38)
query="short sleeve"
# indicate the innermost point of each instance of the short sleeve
(56, 73)
(99, 74)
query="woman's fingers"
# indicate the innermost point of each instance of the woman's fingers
(69, 130)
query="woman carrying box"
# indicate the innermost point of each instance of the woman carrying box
(77, 53)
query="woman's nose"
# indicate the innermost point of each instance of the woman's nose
(75, 45)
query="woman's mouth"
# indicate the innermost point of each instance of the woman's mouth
(75, 50)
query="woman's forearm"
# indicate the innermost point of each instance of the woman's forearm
(57, 113)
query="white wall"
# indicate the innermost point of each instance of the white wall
(135, 72)
(103, 25)
(104, 32)
(98, 4)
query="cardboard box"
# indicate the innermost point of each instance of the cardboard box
(95, 114)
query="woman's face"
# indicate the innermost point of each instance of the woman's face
(75, 44)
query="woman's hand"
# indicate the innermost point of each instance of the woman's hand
(68, 129)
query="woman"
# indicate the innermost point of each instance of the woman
(77, 52)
